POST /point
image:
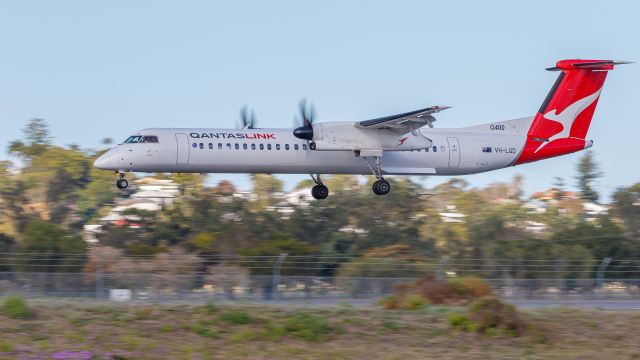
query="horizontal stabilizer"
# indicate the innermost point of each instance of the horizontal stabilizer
(587, 64)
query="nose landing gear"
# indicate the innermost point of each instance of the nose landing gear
(319, 191)
(121, 183)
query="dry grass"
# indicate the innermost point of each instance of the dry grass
(112, 331)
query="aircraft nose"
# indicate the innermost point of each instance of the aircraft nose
(106, 161)
(101, 162)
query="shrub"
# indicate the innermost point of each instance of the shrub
(201, 329)
(15, 307)
(490, 316)
(489, 312)
(389, 302)
(6, 346)
(414, 302)
(458, 320)
(145, 313)
(470, 287)
(238, 317)
(308, 327)
(428, 290)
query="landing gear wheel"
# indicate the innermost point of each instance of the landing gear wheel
(381, 187)
(319, 192)
(122, 183)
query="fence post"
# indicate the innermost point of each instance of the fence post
(99, 280)
(441, 265)
(600, 273)
(275, 292)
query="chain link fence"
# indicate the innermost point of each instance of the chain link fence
(160, 288)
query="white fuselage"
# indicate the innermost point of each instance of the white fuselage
(200, 150)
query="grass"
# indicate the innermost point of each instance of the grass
(269, 332)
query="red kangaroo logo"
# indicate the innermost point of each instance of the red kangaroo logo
(402, 141)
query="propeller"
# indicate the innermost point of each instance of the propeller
(304, 121)
(247, 120)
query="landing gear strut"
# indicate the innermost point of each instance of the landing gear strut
(319, 191)
(380, 186)
(121, 183)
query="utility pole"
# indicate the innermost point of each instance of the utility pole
(275, 292)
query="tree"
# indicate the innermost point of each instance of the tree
(36, 136)
(588, 172)
(626, 206)
(559, 185)
(46, 247)
(6, 243)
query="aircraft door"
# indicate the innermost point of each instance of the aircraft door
(182, 154)
(454, 152)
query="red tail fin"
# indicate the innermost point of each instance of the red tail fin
(560, 126)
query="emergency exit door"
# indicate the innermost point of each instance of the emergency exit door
(182, 153)
(454, 152)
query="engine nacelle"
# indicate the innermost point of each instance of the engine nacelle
(343, 135)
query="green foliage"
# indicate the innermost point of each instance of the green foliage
(625, 207)
(236, 317)
(491, 317)
(469, 287)
(588, 172)
(274, 247)
(5, 346)
(416, 295)
(308, 327)
(49, 241)
(490, 313)
(202, 329)
(15, 307)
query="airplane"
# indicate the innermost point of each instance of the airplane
(403, 144)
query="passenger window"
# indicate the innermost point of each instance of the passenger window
(244, 146)
(253, 146)
(295, 146)
(427, 149)
(261, 146)
(268, 146)
(286, 146)
(210, 146)
(228, 146)
(237, 146)
(201, 146)
(304, 146)
(277, 146)
(219, 146)
(435, 149)
(194, 145)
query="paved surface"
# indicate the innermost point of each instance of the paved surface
(592, 304)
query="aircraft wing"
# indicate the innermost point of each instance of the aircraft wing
(405, 122)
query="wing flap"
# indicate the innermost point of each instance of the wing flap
(408, 121)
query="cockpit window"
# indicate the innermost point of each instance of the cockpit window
(149, 139)
(141, 139)
(133, 139)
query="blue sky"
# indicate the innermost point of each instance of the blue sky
(107, 69)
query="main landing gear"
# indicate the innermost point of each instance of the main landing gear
(380, 186)
(319, 191)
(121, 183)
